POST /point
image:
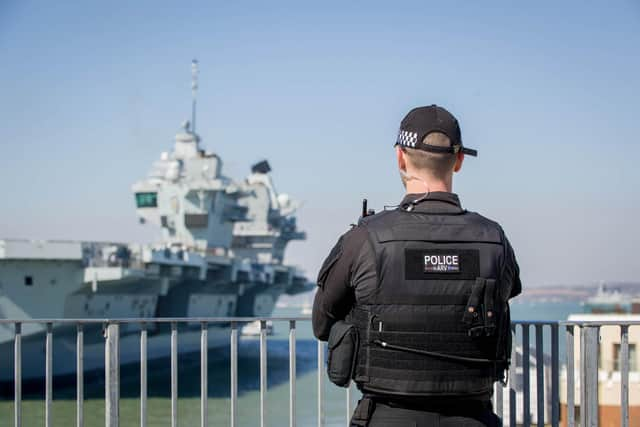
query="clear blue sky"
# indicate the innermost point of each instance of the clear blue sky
(548, 92)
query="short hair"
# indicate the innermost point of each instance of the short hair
(438, 165)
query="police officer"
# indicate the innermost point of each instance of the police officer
(415, 300)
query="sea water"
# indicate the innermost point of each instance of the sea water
(277, 397)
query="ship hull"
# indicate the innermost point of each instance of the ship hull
(141, 299)
(35, 287)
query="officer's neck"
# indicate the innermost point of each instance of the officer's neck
(424, 185)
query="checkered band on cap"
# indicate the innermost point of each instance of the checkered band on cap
(407, 139)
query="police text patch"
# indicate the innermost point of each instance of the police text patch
(441, 263)
(427, 264)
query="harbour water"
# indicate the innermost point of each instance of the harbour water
(277, 398)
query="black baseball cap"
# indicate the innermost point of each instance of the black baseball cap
(421, 121)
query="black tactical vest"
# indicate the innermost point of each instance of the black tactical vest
(438, 322)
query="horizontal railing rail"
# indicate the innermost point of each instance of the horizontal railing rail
(160, 320)
(514, 407)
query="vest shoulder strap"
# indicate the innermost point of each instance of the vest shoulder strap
(399, 225)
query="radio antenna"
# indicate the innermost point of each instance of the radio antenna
(194, 91)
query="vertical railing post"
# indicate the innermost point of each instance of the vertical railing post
(204, 377)
(80, 376)
(112, 375)
(292, 373)
(624, 375)
(17, 375)
(540, 406)
(499, 400)
(320, 384)
(234, 373)
(555, 376)
(263, 372)
(589, 403)
(348, 397)
(174, 374)
(512, 380)
(143, 375)
(583, 379)
(48, 375)
(571, 381)
(526, 387)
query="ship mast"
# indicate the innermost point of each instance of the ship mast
(194, 91)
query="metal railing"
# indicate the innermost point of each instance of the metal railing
(589, 353)
(514, 407)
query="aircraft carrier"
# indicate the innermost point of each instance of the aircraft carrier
(220, 254)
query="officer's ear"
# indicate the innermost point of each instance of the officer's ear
(402, 160)
(459, 161)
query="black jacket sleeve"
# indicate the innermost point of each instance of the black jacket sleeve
(511, 273)
(335, 294)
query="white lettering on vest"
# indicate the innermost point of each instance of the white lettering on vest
(441, 263)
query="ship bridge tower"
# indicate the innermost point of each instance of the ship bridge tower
(187, 195)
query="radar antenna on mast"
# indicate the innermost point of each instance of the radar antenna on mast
(194, 91)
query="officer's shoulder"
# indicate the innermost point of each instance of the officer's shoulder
(482, 220)
(373, 219)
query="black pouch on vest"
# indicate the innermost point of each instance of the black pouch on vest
(343, 346)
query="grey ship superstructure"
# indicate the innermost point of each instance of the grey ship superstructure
(221, 254)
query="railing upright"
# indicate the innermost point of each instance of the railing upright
(589, 388)
(204, 374)
(624, 375)
(263, 372)
(234, 373)
(112, 375)
(512, 382)
(583, 378)
(17, 375)
(539, 375)
(320, 384)
(348, 397)
(526, 386)
(80, 376)
(292, 373)
(48, 375)
(174, 374)
(498, 398)
(143, 375)
(571, 383)
(555, 376)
